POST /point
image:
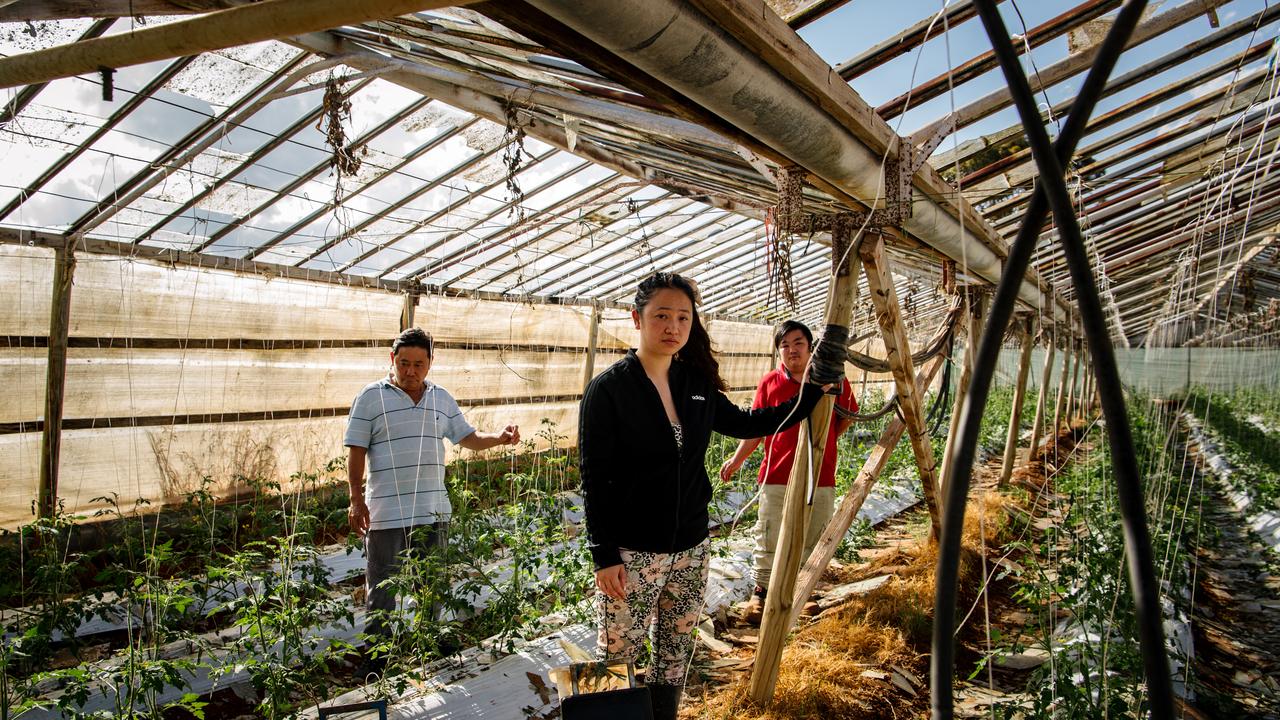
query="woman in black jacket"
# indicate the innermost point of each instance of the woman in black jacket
(644, 427)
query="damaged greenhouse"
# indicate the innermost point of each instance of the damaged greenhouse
(560, 359)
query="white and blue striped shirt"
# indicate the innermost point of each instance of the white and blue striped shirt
(405, 451)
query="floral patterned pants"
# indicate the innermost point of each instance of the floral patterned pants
(664, 600)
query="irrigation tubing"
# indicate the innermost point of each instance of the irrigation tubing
(885, 409)
(940, 410)
(934, 346)
(1051, 193)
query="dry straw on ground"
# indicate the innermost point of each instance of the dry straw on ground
(843, 665)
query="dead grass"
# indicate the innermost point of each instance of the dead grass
(823, 665)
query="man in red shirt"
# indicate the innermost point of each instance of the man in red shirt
(794, 342)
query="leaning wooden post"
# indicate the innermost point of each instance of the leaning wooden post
(843, 518)
(1042, 404)
(1086, 383)
(812, 435)
(898, 353)
(1086, 400)
(593, 339)
(1015, 413)
(976, 307)
(64, 265)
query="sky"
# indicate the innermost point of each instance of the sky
(860, 24)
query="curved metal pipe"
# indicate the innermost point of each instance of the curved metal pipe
(1053, 194)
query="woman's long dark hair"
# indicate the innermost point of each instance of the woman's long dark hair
(697, 352)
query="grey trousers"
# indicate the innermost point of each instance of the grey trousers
(385, 551)
(769, 526)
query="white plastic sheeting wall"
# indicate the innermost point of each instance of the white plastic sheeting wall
(1166, 371)
(166, 362)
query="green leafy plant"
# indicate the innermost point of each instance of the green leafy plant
(1075, 582)
(280, 606)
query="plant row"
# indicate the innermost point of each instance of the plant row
(1072, 577)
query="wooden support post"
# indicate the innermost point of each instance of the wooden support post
(835, 531)
(593, 338)
(976, 307)
(1068, 361)
(1042, 404)
(1087, 398)
(898, 353)
(1086, 377)
(1073, 401)
(64, 265)
(407, 312)
(796, 510)
(1015, 414)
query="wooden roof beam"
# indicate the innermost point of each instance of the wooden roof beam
(1022, 158)
(1081, 61)
(985, 62)
(907, 40)
(34, 10)
(267, 20)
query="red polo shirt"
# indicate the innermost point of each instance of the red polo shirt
(779, 450)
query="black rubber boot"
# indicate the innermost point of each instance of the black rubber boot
(666, 700)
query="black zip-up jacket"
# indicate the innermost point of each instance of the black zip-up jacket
(640, 492)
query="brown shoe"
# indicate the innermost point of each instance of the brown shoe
(755, 607)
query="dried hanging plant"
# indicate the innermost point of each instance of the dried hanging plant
(337, 112)
(780, 234)
(513, 153)
(1248, 288)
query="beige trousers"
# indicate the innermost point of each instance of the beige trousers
(769, 526)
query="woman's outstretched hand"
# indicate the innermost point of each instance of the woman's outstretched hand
(612, 581)
(808, 372)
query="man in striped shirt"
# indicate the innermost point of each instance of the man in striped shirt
(398, 425)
